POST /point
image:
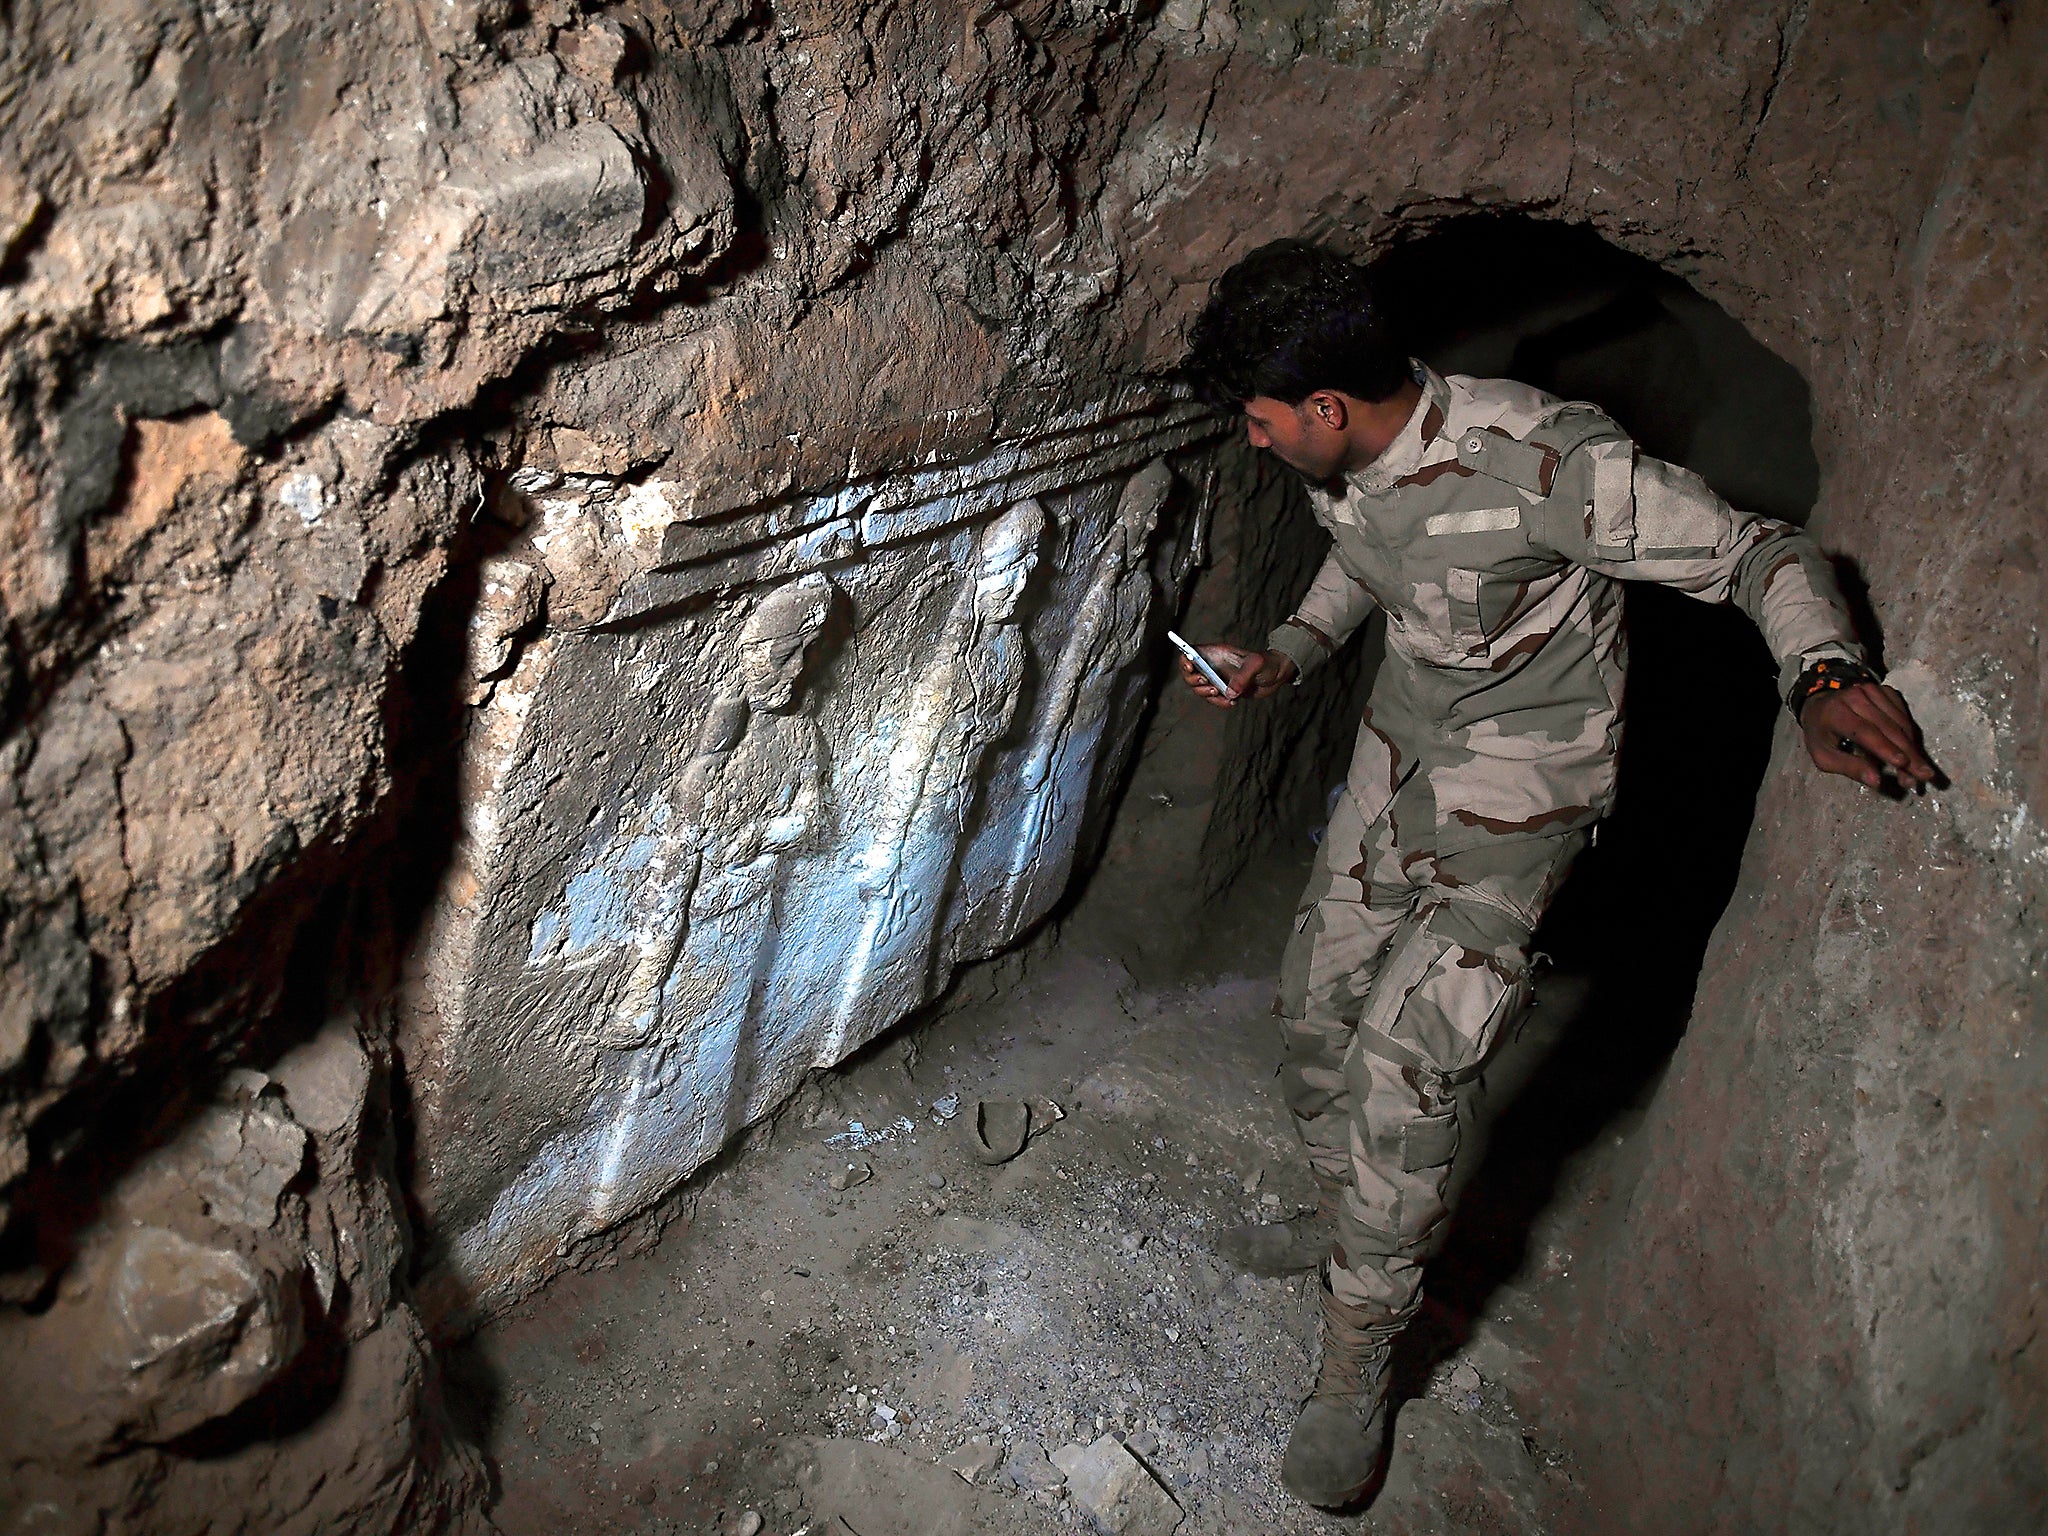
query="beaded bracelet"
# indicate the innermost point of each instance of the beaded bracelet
(1829, 675)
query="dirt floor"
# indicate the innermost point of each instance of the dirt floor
(793, 1357)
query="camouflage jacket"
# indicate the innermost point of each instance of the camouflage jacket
(1495, 532)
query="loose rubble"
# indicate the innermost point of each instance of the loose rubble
(1116, 1491)
(1056, 1349)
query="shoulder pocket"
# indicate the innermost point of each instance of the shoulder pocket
(1531, 467)
(1614, 499)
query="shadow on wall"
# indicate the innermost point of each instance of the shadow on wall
(1557, 307)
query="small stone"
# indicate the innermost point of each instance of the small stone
(1198, 1462)
(935, 1180)
(1271, 1200)
(1029, 1469)
(1132, 1242)
(1116, 1490)
(748, 1524)
(1464, 1383)
(851, 1175)
(1143, 1443)
(1251, 1183)
(974, 1460)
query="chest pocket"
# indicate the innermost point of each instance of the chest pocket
(1485, 603)
(1468, 624)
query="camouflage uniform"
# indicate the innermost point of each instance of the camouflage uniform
(1494, 532)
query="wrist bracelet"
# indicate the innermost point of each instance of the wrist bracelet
(1829, 675)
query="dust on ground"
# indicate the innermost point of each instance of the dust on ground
(795, 1358)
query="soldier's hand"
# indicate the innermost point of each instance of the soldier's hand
(1862, 730)
(1250, 674)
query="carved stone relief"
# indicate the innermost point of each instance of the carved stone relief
(743, 792)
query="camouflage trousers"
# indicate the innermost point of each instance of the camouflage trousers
(1404, 968)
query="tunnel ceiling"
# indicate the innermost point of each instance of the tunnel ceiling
(496, 493)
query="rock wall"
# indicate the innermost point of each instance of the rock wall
(426, 424)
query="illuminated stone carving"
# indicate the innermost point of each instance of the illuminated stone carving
(1059, 771)
(747, 793)
(964, 700)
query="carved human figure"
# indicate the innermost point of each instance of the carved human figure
(751, 799)
(1108, 633)
(964, 701)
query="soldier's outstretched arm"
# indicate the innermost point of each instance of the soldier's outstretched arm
(1621, 512)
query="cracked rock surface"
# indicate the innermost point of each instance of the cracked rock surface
(496, 497)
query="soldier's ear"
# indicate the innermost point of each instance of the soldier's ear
(1328, 409)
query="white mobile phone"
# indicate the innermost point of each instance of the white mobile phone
(1201, 665)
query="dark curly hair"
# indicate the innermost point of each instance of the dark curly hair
(1289, 319)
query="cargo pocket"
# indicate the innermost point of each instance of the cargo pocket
(1446, 994)
(1292, 1002)
(1430, 1142)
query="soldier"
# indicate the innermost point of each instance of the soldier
(1493, 525)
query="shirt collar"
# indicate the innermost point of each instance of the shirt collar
(1403, 456)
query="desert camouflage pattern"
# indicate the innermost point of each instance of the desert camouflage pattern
(1494, 532)
(1406, 964)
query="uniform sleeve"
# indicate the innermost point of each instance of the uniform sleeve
(1618, 511)
(1336, 605)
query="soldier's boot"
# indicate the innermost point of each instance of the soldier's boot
(1291, 1247)
(1337, 1454)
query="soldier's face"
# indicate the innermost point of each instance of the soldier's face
(1308, 437)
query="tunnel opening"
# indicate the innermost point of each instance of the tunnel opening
(1558, 307)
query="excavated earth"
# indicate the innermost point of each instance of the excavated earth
(566, 567)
